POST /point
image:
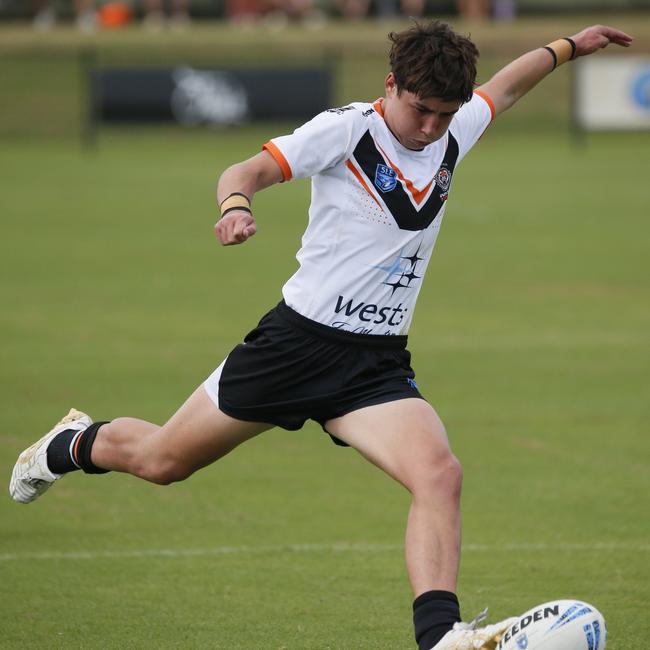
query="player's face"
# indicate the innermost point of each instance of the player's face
(416, 121)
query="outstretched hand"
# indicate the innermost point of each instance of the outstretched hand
(593, 38)
(235, 228)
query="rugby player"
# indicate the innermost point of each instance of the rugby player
(334, 349)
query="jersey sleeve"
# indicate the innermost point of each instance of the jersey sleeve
(471, 121)
(319, 144)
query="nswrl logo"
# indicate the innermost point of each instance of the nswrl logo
(385, 178)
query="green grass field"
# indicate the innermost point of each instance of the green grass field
(531, 339)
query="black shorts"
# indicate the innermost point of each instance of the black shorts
(291, 369)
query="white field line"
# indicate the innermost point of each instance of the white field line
(335, 547)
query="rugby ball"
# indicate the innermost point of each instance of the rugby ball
(558, 625)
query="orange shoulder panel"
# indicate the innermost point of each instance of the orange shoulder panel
(489, 101)
(280, 159)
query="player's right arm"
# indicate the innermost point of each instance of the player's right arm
(323, 142)
(236, 188)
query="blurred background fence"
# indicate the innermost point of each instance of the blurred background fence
(210, 9)
(47, 69)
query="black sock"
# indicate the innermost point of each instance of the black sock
(59, 459)
(63, 456)
(434, 614)
(83, 448)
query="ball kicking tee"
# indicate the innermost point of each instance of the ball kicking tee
(375, 213)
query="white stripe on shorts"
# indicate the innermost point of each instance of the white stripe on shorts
(212, 384)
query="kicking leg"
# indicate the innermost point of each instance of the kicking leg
(407, 440)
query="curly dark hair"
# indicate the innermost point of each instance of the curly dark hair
(431, 60)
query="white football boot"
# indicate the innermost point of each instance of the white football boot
(31, 476)
(468, 636)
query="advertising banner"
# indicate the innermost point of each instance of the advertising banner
(195, 97)
(612, 93)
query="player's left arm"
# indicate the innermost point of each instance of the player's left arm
(523, 74)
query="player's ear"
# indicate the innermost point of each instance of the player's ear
(390, 85)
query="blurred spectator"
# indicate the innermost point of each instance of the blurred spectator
(413, 8)
(393, 8)
(114, 14)
(276, 14)
(284, 11)
(504, 9)
(353, 9)
(155, 15)
(246, 12)
(45, 14)
(474, 10)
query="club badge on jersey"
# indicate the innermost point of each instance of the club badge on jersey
(385, 178)
(443, 178)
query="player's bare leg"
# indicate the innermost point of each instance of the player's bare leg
(408, 441)
(195, 436)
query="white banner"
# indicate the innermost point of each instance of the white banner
(612, 92)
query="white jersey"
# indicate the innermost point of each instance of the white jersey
(376, 209)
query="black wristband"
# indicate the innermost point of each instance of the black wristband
(573, 46)
(552, 51)
(241, 208)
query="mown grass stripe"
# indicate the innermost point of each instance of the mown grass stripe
(335, 547)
